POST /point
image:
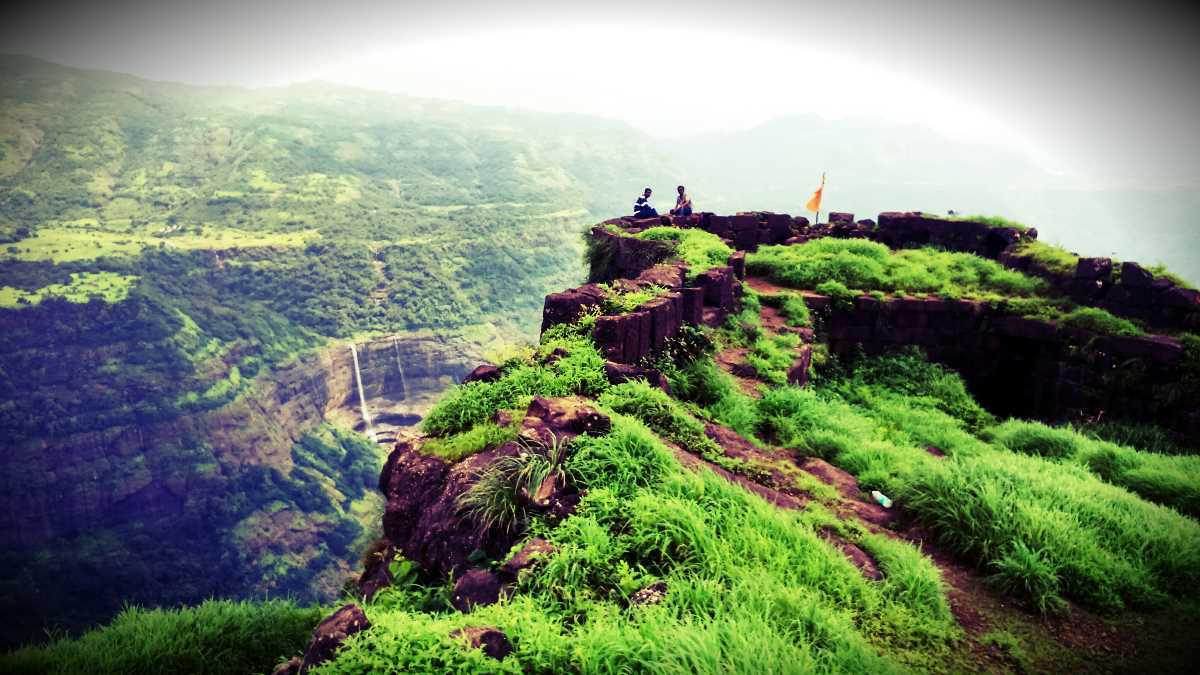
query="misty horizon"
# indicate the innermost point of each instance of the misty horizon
(1097, 91)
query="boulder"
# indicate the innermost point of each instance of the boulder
(1134, 275)
(623, 372)
(482, 373)
(718, 225)
(477, 588)
(410, 480)
(375, 575)
(422, 516)
(743, 222)
(667, 276)
(534, 550)
(492, 641)
(746, 240)
(331, 633)
(289, 667)
(1093, 268)
(653, 594)
(664, 319)
(611, 334)
(798, 374)
(779, 225)
(1153, 348)
(565, 418)
(692, 305)
(840, 218)
(718, 287)
(737, 261)
(569, 305)
(1181, 298)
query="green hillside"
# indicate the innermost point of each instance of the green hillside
(167, 251)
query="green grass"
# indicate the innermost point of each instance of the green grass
(1099, 321)
(85, 241)
(1046, 530)
(772, 355)
(580, 372)
(993, 221)
(463, 444)
(1161, 272)
(1171, 480)
(862, 265)
(1053, 258)
(667, 418)
(617, 301)
(791, 306)
(700, 250)
(750, 588)
(1145, 437)
(108, 286)
(218, 636)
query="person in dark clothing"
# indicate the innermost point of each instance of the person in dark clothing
(683, 203)
(642, 207)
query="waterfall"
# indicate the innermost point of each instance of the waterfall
(400, 367)
(362, 398)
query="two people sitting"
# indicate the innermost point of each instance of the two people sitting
(642, 208)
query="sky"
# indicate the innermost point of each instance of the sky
(1106, 90)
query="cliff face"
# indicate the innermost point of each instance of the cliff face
(126, 512)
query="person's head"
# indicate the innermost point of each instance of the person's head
(647, 192)
(679, 189)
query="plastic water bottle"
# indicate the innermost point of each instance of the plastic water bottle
(881, 498)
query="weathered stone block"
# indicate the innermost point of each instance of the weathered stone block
(1156, 348)
(798, 373)
(737, 261)
(569, 305)
(692, 308)
(1134, 275)
(1093, 268)
(743, 222)
(610, 335)
(1030, 329)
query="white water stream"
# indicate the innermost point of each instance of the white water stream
(362, 398)
(400, 367)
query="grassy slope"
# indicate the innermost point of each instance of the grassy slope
(754, 588)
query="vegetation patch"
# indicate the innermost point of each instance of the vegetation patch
(700, 250)
(217, 636)
(1054, 259)
(1171, 480)
(84, 286)
(624, 301)
(1099, 321)
(868, 266)
(1045, 529)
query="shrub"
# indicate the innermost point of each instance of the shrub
(867, 266)
(217, 636)
(1100, 321)
(466, 443)
(700, 250)
(498, 498)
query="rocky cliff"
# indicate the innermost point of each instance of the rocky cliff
(226, 501)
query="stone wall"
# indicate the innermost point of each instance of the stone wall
(1022, 367)
(913, 229)
(1128, 290)
(629, 337)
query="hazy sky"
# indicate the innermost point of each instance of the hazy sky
(1104, 88)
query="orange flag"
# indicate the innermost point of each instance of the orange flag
(814, 202)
